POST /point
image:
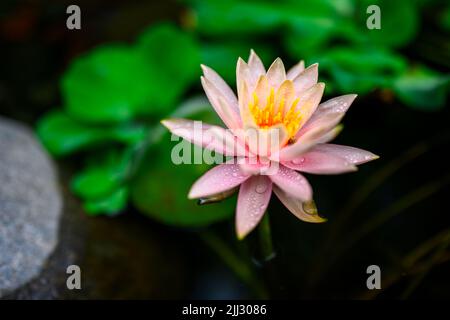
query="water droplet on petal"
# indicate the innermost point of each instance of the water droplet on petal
(298, 160)
(310, 208)
(261, 187)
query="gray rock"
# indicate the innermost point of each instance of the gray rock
(30, 206)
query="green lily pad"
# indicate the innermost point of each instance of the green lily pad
(115, 83)
(174, 60)
(106, 85)
(399, 22)
(62, 135)
(106, 173)
(361, 69)
(111, 204)
(216, 17)
(423, 89)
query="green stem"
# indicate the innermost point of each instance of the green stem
(265, 238)
(241, 269)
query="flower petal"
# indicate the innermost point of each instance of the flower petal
(308, 139)
(276, 73)
(296, 70)
(226, 112)
(306, 79)
(222, 86)
(264, 142)
(253, 199)
(245, 74)
(336, 106)
(207, 136)
(297, 207)
(317, 162)
(330, 135)
(255, 64)
(219, 179)
(284, 96)
(350, 154)
(293, 183)
(309, 100)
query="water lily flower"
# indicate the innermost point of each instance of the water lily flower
(284, 109)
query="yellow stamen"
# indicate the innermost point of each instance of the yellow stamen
(272, 114)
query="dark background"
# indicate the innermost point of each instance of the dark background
(131, 256)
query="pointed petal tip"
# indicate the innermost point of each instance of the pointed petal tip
(168, 123)
(319, 219)
(241, 61)
(190, 196)
(241, 235)
(374, 157)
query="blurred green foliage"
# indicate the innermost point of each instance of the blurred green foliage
(334, 33)
(113, 99)
(114, 95)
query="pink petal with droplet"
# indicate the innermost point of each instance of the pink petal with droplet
(336, 107)
(317, 162)
(308, 138)
(293, 183)
(253, 199)
(350, 154)
(219, 179)
(207, 136)
(295, 206)
(308, 102)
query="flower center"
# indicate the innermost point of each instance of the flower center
(274, 113)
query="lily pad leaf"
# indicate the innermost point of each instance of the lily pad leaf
(106, 174)
(111, 204)
(109, 84)
(174, 60)
(399, 22)
(62, 135)
(361, 69)
(423, 89)
(116, 82)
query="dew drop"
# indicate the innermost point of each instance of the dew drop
(310, 208)
(261, 188)
(298, 160)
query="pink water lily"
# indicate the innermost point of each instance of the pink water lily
(279, 106)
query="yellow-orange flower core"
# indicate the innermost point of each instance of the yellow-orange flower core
(274, 113)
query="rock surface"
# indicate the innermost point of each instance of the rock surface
(30, 206)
